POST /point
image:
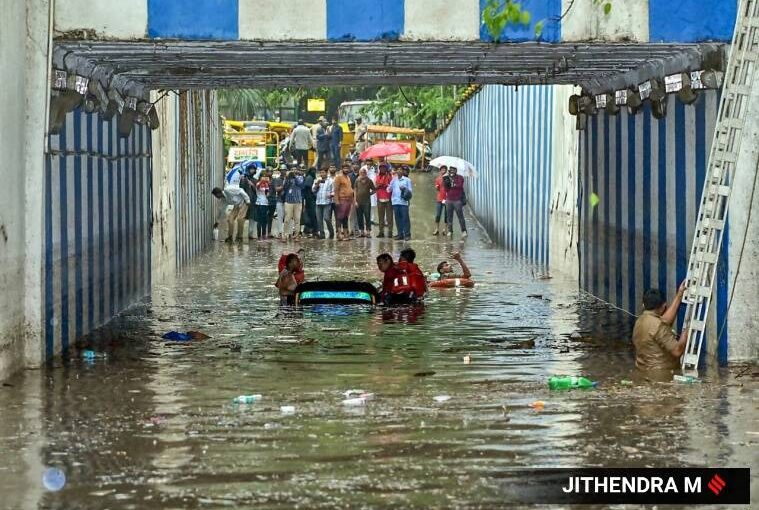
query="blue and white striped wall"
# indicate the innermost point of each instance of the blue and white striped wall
(648, 175)
(507, 133)
(371, 20)
(97, 221)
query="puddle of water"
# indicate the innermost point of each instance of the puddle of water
(154, 426)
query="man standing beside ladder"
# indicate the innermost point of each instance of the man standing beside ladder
(656, 346)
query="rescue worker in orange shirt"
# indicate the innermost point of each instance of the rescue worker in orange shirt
(416, 278)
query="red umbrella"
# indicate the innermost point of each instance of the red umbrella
(382, 150)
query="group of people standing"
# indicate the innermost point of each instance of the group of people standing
(295, 201)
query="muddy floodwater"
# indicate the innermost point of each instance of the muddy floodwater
(152, 425)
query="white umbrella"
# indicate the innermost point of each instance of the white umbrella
(464, 167)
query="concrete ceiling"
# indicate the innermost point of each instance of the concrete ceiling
(202, 64)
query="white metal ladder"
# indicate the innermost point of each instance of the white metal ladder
(712, 214)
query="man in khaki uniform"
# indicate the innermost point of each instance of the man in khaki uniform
(656, 346)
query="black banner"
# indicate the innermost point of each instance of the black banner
(690, 486)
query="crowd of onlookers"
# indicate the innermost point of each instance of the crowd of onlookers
(294, 202)
(334, 199)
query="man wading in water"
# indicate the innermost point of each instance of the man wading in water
(656, 346)
(286, 282)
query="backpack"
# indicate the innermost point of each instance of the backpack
(406, 194)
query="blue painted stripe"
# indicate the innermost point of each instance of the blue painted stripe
(90, 230)
(594, 212)
(78, 256)
(691, 20)
(199, 19)
(631, 210)
(546, 11)
(682, 252)
(102, 130)
(618, 213)
(661, 203)
(64, 263)
(604, 204)
(112, 255)
(647, 245)
(722, 284)
(49, 312)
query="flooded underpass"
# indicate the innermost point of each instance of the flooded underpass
(151, 424)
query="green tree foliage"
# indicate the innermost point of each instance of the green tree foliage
(498, 14)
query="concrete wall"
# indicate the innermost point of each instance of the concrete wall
(368, 20)
(520, 140)
(97, 190)
(24, 31)
(743, 245)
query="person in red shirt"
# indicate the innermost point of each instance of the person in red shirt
(395, 284)
(417, 280)
(454, 199)
(298, 272)
(384, 207)
(440, 201)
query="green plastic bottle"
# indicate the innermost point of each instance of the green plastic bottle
(566, 382)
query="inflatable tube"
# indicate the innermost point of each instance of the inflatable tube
(336, 292)
(449, 283)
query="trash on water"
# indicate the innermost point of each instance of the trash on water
(625, 382)
(356, 397)
(90, 354)
(246, 399)
(538, 405)
(684, 379)
(467, 359)
(287, 409)
(594, 199)
(358, 401)
(176, 336)
(441, 398)
(566, 382)
(53, 479)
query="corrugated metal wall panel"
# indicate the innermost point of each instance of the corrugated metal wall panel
(97, 226)
(648, 174)
(199, 169)
(507, 134)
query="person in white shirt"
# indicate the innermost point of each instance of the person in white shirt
(239, 200)
(324, 189)
(300, 142)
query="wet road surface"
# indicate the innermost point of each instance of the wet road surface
(153, 424)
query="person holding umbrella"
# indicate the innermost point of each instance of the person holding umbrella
(454, 200)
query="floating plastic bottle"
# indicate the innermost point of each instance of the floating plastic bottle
(246, 399)
(90, 355)
(684, 379)
(216, 234)
(566, 382)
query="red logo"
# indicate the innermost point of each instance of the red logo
(716, 484)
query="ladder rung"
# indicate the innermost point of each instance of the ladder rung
(712, 223)
(719, 190)
(690, 360)
(729, 157)
(707, 257)
(701, 291)
(698, 325)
